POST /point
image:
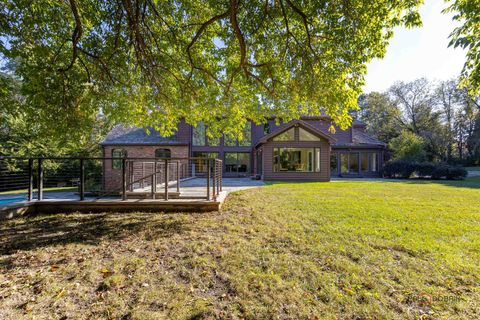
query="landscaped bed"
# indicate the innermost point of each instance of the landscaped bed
(405, 249)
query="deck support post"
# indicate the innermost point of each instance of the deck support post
(82, 179)
(209, 174)
(30, 179)
(166, 179)
(124, 179)
(40, 179)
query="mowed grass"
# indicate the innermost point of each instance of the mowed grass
(348, 250)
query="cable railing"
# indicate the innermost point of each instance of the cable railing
(72, 178)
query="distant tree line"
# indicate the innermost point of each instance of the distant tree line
(425, 121)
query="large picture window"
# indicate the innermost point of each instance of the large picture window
(118, 153)
(200, 165)
(296, 160)
(304, 135)
(351, 162)
(288, 135)
(199, 134)
(373, 162)
(333, 163)
(245, 142)
(237, 162)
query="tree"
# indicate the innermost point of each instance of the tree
(408, 146)
(419, 116)
(448, 97)
(21, 135)
(468, 128)
(467, 36)
(150, 63)
(380, 114)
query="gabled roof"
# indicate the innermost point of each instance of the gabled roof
(121, 135)
(295, 123)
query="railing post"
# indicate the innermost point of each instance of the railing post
(166, 179)
(178, 176)
(82, 179)
(30, 179)
(214, 182)
(219, 172)
(209, 173)
(124, 179)
(40, 179)
(154, 180)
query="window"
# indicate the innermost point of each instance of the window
(162, 153)
(353, 162)
(333, 163)
(245, 142)
(199, 134)
(304, 135)
(349, 162)
(118, 153)
(374, 162)
(237, 162)
(266, 129)
(288, 135)
(247, 135)
(344, 163)
(214, 142)
(200, 165)
(364, 162)
(296, 159)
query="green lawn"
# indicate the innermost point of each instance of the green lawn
(350, 250)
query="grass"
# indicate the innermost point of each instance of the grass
(350, 250)
(56, 189)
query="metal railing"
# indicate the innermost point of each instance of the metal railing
(106, 177)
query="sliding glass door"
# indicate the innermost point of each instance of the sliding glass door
(237, 162)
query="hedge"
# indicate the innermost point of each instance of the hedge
(407, 169)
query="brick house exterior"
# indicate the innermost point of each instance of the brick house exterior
(298, 150)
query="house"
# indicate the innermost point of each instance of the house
(298, 150)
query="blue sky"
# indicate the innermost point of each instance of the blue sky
(419, 52)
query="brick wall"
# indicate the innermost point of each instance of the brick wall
(113, 177)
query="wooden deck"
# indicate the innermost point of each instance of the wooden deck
(95, 206)
(192, 198)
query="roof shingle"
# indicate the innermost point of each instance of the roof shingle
(121, 135)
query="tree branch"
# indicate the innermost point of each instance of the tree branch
(76, 35)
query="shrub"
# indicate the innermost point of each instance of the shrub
(398, 169)
(455, 173)
(441, 171)
(424, 169)
(405, 169)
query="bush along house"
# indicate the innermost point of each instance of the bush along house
(298, 150)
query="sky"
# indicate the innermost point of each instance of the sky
(418, 52)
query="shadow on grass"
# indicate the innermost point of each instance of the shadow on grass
(471, 182)
(52, 230)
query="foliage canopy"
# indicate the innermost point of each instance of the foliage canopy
(150, 62)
